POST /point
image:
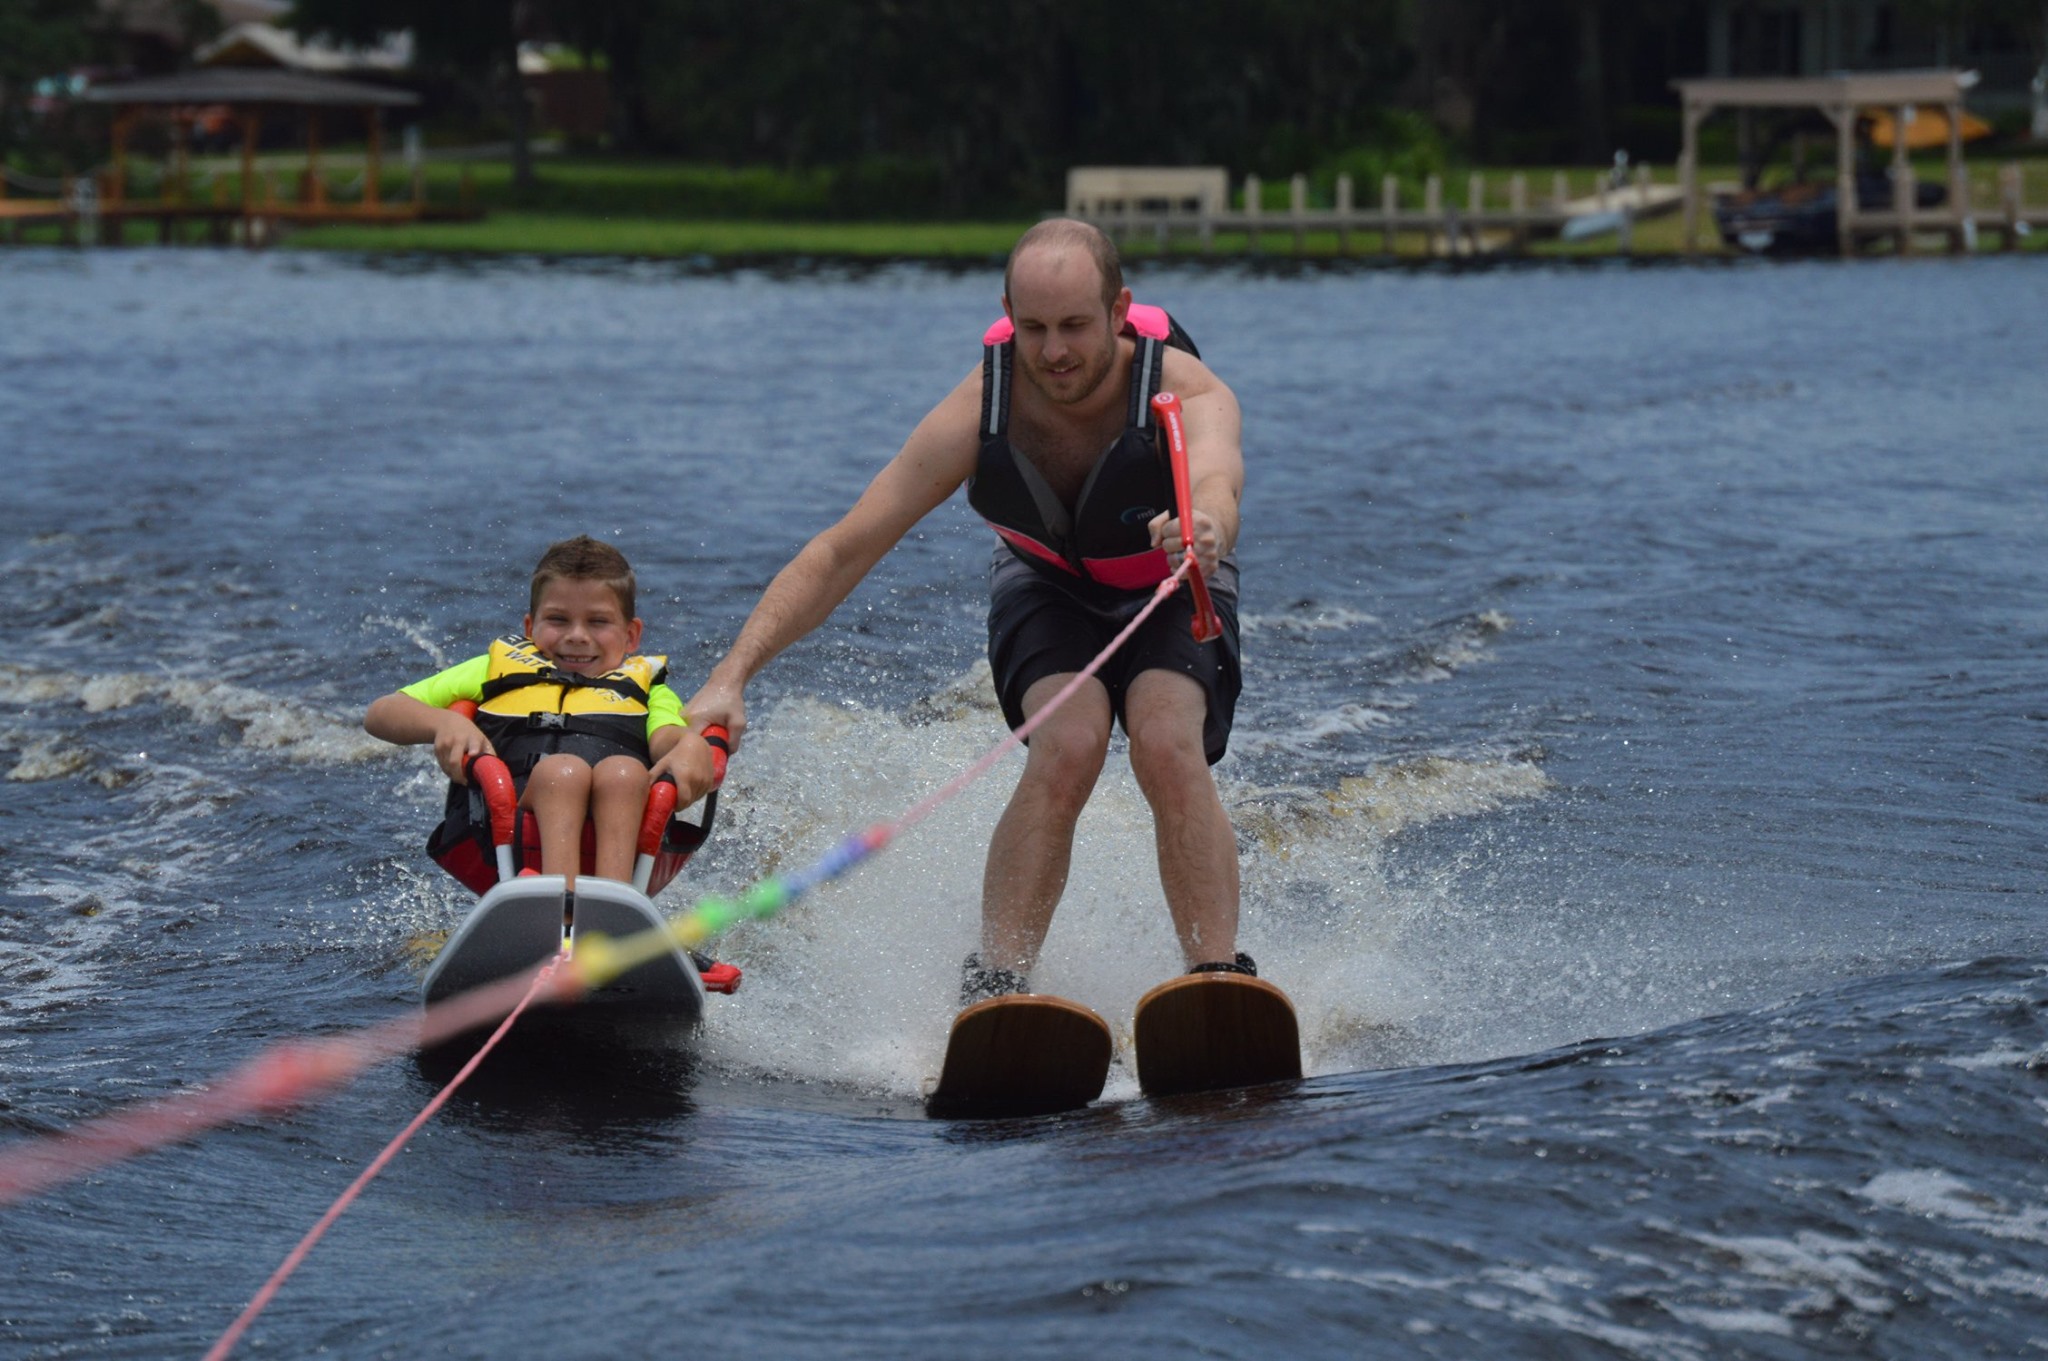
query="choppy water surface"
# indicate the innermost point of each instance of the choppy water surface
(1640, 782)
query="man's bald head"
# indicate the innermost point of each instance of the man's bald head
(1066, 234)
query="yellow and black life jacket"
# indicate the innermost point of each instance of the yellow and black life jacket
(531, 708)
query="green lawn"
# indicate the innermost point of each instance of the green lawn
(600, 205)
(570, 234)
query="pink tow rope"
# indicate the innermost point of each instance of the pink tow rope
(290, 1073)
(298, 1254)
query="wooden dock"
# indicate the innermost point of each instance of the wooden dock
(1488, 224)
(91, 210)
(1476, 224)
(244, 206)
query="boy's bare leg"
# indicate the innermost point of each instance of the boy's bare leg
(618, 801)
(558, 792)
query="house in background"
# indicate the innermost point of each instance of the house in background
(264, 44)
(152, 37)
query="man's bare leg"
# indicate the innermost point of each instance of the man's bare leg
(1033, 842)
(1164, 712)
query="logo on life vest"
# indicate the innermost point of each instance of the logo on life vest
(1138, 515)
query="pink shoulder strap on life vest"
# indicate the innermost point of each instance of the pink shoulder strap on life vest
(1142, 320)
(1149, 322)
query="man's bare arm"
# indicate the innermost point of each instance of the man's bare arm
(934, 461)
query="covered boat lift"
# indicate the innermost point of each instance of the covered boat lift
(1844, 98)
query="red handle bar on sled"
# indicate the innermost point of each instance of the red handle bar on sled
(1206, 625)
(661, 805)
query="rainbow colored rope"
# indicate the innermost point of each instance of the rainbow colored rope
(599, 960)
(287, 1074)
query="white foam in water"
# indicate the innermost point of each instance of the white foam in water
(267, 722)
(1812, 1261)
(2003, 1057)
(855, 984)
(1325, 619)
(1316, 729)
(1462, 643)
(43, 757)
(64, 965)
(26, 685)
(413, 632)
(858, 983)
(1938, 1194)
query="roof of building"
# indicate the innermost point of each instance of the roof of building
(254, 44)
(172, 21)
(249, 85)
(1839, 89)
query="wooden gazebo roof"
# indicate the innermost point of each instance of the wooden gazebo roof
(244, 86)
(251, 93)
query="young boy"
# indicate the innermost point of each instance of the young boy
(571, 708)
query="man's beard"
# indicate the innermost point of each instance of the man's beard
(1075, 386)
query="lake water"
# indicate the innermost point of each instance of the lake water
(1641, 783)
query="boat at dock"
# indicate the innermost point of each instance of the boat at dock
(1803, 217)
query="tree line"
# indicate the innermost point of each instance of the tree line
(964, 106)
(973, 104)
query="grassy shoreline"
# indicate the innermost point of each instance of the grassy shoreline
(529, 233)
(607, 208)
(564, 235)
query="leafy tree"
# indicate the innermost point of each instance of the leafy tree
(476, 42)
(38, 38)
(982, 107)
(2025, 19)
(625, 33)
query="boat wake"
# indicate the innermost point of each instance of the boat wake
(857, 983)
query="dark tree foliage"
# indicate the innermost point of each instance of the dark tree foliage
(988, 104)
(918, 106)
(475, 42)
(2025, 21)
(1559, 80)
(38, 38)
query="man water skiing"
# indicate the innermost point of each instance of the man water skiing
(1055, 439)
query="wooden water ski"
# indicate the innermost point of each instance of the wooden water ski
(1209, 1031)
(1024, 1054)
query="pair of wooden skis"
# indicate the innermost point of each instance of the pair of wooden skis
(1033, 1054)
(1030, 1054)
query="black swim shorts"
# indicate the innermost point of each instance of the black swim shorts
(1036, 628)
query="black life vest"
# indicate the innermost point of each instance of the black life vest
(1103, 538)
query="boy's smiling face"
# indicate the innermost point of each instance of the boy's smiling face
(580, 627)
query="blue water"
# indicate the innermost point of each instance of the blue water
(1640, 782)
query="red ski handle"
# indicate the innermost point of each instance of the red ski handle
(720, 742)
(1206, 626)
